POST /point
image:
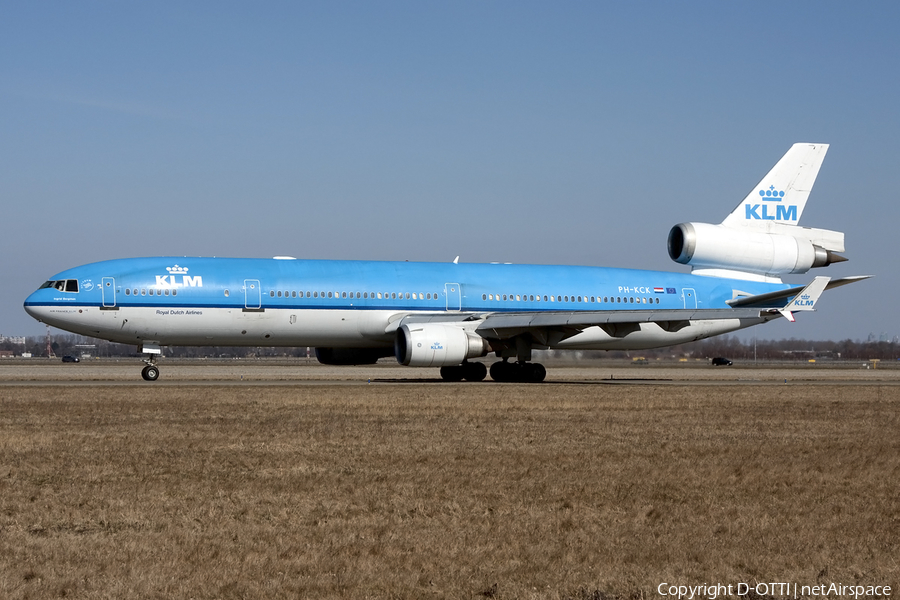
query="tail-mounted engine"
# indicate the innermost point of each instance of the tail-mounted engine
(767, 251)
(437, 345)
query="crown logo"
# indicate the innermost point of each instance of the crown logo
(176, 270)
(771, 194)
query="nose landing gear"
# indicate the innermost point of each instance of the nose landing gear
(151, 371)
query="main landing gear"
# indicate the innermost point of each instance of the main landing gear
(470, 371)
(518, 372)
(504, 371)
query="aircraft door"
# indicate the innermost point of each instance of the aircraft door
(252, 294)
(453, 295)
(108, 291)
(690, 297)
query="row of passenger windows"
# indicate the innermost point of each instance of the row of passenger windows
(608, 299)
(361, 295)
(429, 296)
(150, 292)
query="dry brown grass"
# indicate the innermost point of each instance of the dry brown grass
(443, 491)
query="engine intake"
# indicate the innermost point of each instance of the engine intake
(437, 345)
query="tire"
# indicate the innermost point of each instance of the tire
(454, 373)
(474, 371)
(536, 373)
(150, 373)
(500, 371)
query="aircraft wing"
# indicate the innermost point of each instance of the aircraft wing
(549, 327)
(553, 326)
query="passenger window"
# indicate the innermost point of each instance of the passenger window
(226, 293)
(279, 293)
(545, 298)
(167, 292)
(127, 292)
(272, 294)
(174, 292)
(143, 291)
(518, 299)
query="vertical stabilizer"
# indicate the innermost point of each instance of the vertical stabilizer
(781, 195)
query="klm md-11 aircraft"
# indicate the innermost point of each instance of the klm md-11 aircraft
(443, 314)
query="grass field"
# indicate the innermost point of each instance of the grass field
(417, 490)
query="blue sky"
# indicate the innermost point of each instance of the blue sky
(573, 133)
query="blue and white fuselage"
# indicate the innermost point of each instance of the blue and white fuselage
(352, 304)
(443, 314)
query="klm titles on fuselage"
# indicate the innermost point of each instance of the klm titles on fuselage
(169, 281)
(164, 281)
(761, 212)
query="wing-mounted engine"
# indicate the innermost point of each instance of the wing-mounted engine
(437, 345)
(753, 252)
(761, 239)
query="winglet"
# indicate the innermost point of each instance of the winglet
(806, 299)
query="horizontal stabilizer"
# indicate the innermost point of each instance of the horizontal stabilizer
(770, 299)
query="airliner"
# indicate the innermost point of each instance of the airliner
(448, 314)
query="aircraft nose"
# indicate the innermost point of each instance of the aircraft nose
(30, 307)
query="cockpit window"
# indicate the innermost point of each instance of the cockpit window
(63, 285)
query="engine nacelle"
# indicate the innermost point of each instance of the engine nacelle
(437, 345)
(705, 246)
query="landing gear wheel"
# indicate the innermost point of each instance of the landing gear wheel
(474, 371)
(150, 373)
(521, 372)
(454, 373)
(502, 371)
(536, 372)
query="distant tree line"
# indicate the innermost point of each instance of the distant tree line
(727, 346)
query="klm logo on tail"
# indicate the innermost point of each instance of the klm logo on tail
(765, 212)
